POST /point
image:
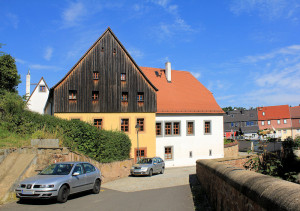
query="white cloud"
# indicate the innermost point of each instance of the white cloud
(20, 61)
(196, 74)
(13, 19)
(275, 77)
(135, 53)
(73, 14)
(48, 53)
(286, 51)
(270, 9)
(44, 67)
(178, 24)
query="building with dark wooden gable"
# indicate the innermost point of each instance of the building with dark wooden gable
(107, 88)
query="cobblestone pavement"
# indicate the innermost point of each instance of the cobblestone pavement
(171, 178)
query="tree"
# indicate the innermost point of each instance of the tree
(9, 77)
(229, 108)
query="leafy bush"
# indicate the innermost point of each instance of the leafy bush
(101, 145)
(283, 164)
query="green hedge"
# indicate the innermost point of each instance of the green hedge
(101, 145)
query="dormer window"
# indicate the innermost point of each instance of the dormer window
(263, 113)
(96, 75)
(72, 94)
(123, 76)
(140, 97)
(42, 88)
(95, 96)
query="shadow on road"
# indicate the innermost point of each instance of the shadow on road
(199, 195)
(52, 201)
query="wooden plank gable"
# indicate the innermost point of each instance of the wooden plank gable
(109, 59)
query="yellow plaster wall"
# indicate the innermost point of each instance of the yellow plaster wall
(112, 121)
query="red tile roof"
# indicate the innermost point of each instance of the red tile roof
(295, 112)
(273, 112)
(185, 94)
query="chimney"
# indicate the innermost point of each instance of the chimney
(168, 71)
(28, 85)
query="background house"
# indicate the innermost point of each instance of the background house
(295, 117)
(189, 122)
(276, 118)
(241, 121)
(36, 101)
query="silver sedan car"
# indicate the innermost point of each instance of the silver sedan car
(148, 166)
(59, 180)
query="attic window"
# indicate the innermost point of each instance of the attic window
(263, 113)
(102, 49)
(72, 94)
(140, 97)
(96, 75)
(124, 97)
(123, 76)
(95, 96)
(42, 88)
(114, 51)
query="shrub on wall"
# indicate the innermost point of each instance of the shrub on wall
(101, 145)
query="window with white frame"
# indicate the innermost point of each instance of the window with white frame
(284, 121)
(278, 121)
(284, 131)
(262, 122)
(269, 122)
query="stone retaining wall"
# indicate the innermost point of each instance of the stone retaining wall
(46, 156)
(232, 188)
(231, 150)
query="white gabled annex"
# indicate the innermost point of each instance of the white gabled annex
(189, 122)
(190, 144)
(38, 98)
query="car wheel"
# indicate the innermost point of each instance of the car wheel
(162, 170)
(63, 194)
(150, 172)
(97, 186)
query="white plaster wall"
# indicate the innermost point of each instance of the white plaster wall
(199, 143)
(38, 99)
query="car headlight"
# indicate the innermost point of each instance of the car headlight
(19, 185)
(144, 168)
(46, 186)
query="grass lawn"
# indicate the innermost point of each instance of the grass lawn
(9, 139)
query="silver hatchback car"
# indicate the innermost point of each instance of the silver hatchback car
(59, 180)
(148, 166)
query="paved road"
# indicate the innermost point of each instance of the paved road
(170, 191)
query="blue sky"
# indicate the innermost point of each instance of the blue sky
(246, 52)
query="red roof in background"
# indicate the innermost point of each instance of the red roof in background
(185, 94)
(295, 112)
(273, 112)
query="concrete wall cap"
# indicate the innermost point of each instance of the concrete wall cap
(269, 192)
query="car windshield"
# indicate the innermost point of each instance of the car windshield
(57, 169)
(145, 161)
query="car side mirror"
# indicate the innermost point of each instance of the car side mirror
(75, 174)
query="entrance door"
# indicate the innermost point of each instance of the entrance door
(142, 153)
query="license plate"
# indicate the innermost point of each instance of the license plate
(27, 192)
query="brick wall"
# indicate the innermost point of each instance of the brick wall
(232, 188)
